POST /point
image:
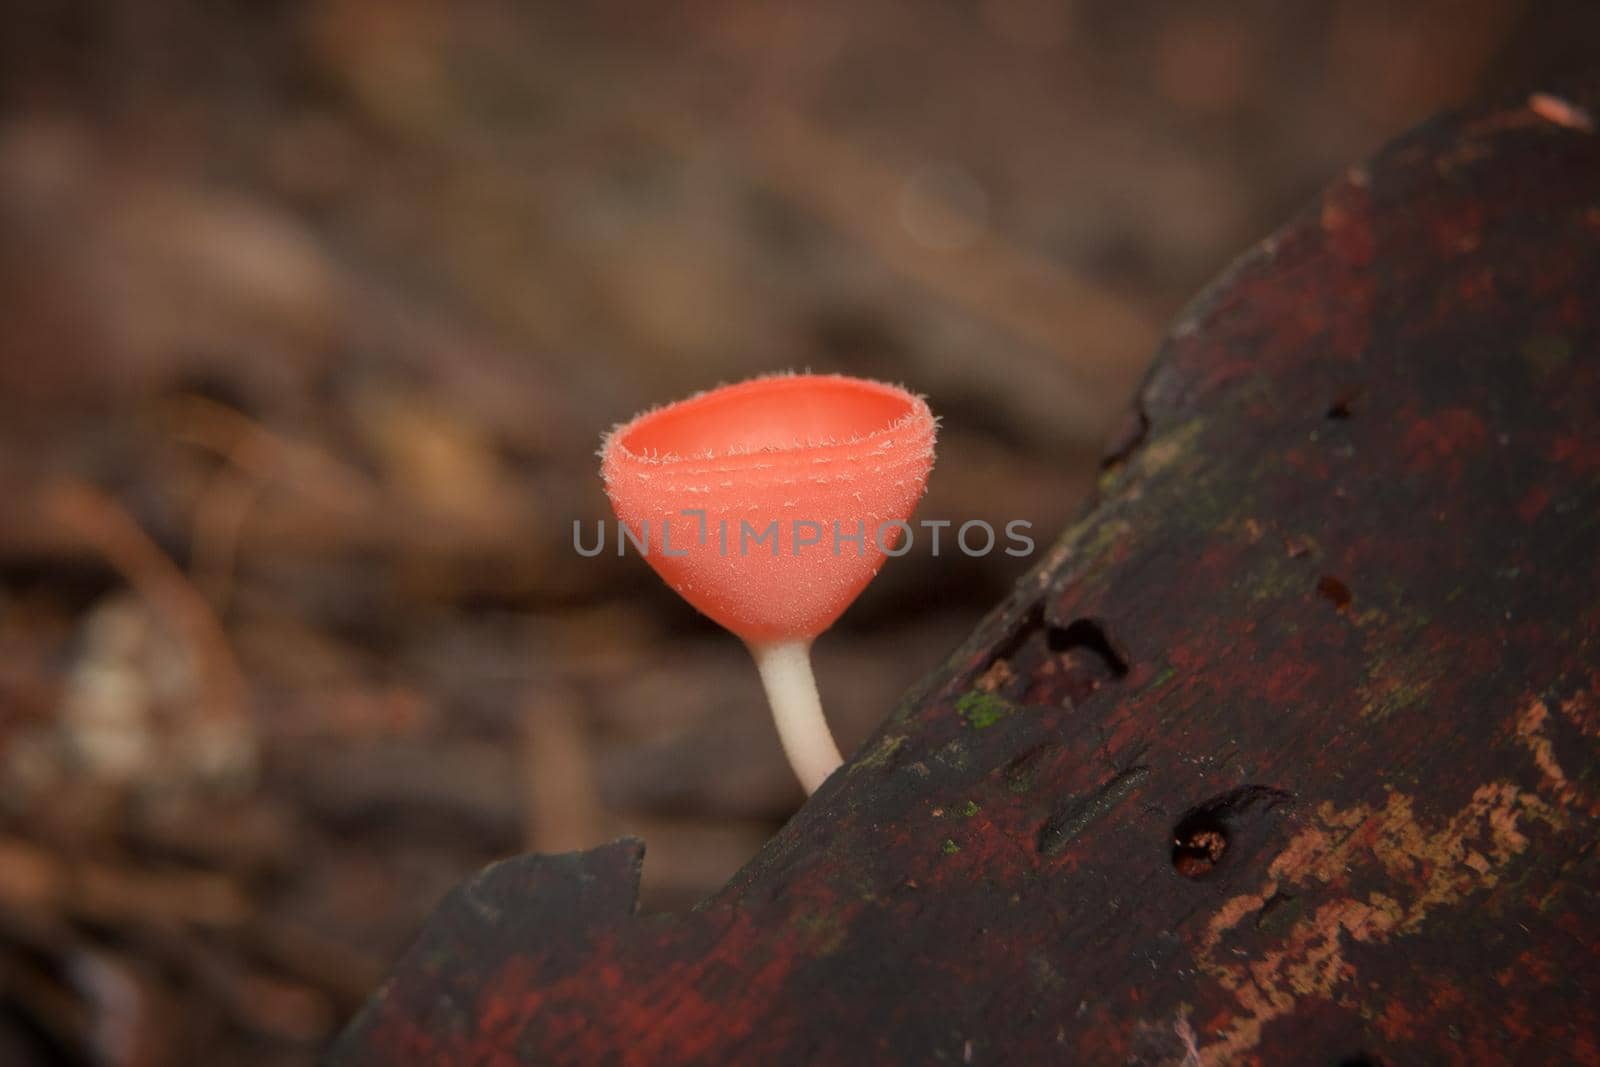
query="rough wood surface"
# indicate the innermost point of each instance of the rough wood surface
(1284, 754)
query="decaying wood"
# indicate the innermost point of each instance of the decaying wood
(1285, 753)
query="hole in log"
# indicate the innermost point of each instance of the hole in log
(1201, 838)
(1088, 658)
(1089, 635)
(1334, 591)
(1198, 847)
(1042, 663)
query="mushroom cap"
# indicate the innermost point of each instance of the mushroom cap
(787, 449)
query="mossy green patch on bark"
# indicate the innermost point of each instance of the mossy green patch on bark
(881, 753)
(982, 710)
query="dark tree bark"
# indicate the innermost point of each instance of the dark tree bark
(1285, 753)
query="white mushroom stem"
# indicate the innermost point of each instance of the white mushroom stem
(785, 668)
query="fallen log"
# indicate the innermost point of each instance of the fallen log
(1285, 753)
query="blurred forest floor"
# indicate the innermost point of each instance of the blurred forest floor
(311, 316)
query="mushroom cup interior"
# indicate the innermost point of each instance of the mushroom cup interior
(770, 413)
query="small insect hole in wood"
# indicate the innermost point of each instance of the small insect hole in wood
(1198, 845)
(1088, 658)
(1089, 635)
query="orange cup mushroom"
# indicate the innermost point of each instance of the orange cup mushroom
(769, 505)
